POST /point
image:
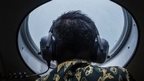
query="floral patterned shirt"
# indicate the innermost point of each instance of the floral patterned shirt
(79, 70)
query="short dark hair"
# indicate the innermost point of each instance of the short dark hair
(74, 32)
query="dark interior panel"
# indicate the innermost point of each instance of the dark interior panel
(14, 11)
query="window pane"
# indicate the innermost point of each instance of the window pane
(107, 16)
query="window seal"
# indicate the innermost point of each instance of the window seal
(26, 37)
(124, 36)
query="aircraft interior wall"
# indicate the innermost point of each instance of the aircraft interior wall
(14, 11)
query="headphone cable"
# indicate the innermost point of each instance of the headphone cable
(33, 75)
(22, 75)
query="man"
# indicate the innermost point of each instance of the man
(75, 35)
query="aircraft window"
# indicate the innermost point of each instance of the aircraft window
(114, 23)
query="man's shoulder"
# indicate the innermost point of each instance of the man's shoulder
(113, 73)
(77, 72)
(96, 73)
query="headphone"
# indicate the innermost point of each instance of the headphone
(99, 50)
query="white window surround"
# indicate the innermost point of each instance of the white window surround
(38, 18)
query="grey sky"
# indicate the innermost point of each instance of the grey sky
(107, 16)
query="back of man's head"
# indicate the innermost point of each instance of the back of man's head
(74, 32)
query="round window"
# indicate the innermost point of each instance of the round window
(114, 24)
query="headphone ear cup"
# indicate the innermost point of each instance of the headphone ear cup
(102, 53)
(45, 51)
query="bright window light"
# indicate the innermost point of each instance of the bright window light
(113, 22)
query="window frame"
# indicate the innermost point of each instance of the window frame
(115, 50)
(27, 42)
